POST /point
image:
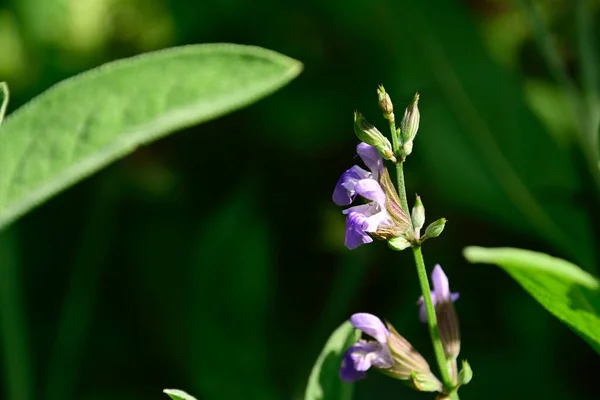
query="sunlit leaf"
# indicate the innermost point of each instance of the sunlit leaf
(83, 123)
(324, 382)
(568, 292)
(177, 394)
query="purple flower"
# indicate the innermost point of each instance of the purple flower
(366, 354)
(440, 293)
(344, 192)
(356, 181)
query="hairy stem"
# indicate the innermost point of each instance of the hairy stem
(399, 166)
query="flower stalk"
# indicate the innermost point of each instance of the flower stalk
(386, 216)
(434, 331)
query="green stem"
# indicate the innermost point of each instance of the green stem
(399, 166)
(401, 189)
(422, 273)
(431, 319)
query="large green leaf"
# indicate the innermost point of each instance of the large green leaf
(568, 292)
(324, 382)
(83, 123)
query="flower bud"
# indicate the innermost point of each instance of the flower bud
(435, 229)
(410, 123)
(418, 216)
(409, 365)
(466, 373)
(385, 103)
(449, 328)
(370, 135)
(399, 243)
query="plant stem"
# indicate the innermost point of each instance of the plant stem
(431, 319)
(399, 166)
(422, 273)
(401, 189)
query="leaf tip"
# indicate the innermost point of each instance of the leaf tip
(177, 394)
(471, 252)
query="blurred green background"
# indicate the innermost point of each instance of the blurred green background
(213, 260)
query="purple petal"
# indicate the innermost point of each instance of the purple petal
(441, 285)
(348, 373)
(370, 189)
(440, 293)
(373, 217)
(373, 222)
(365, 209)
(371, 325)
(344, 191)
(362, 356)
(371, 157)
(355, 232)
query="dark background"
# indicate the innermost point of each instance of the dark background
(213, 260)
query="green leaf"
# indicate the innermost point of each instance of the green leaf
(324, 382)
(177, 394)
(568, 292)
(4, 95)
(83, 123)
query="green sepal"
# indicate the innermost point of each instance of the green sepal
(466, 373)
(399, 243)
(370, 135)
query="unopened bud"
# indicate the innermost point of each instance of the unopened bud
(370, 135)
(409, 365)
(466, 373)
(418, 216)
(410, 123)
(435, 229)
(399, 243)
(449, 328)
(385, 102)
